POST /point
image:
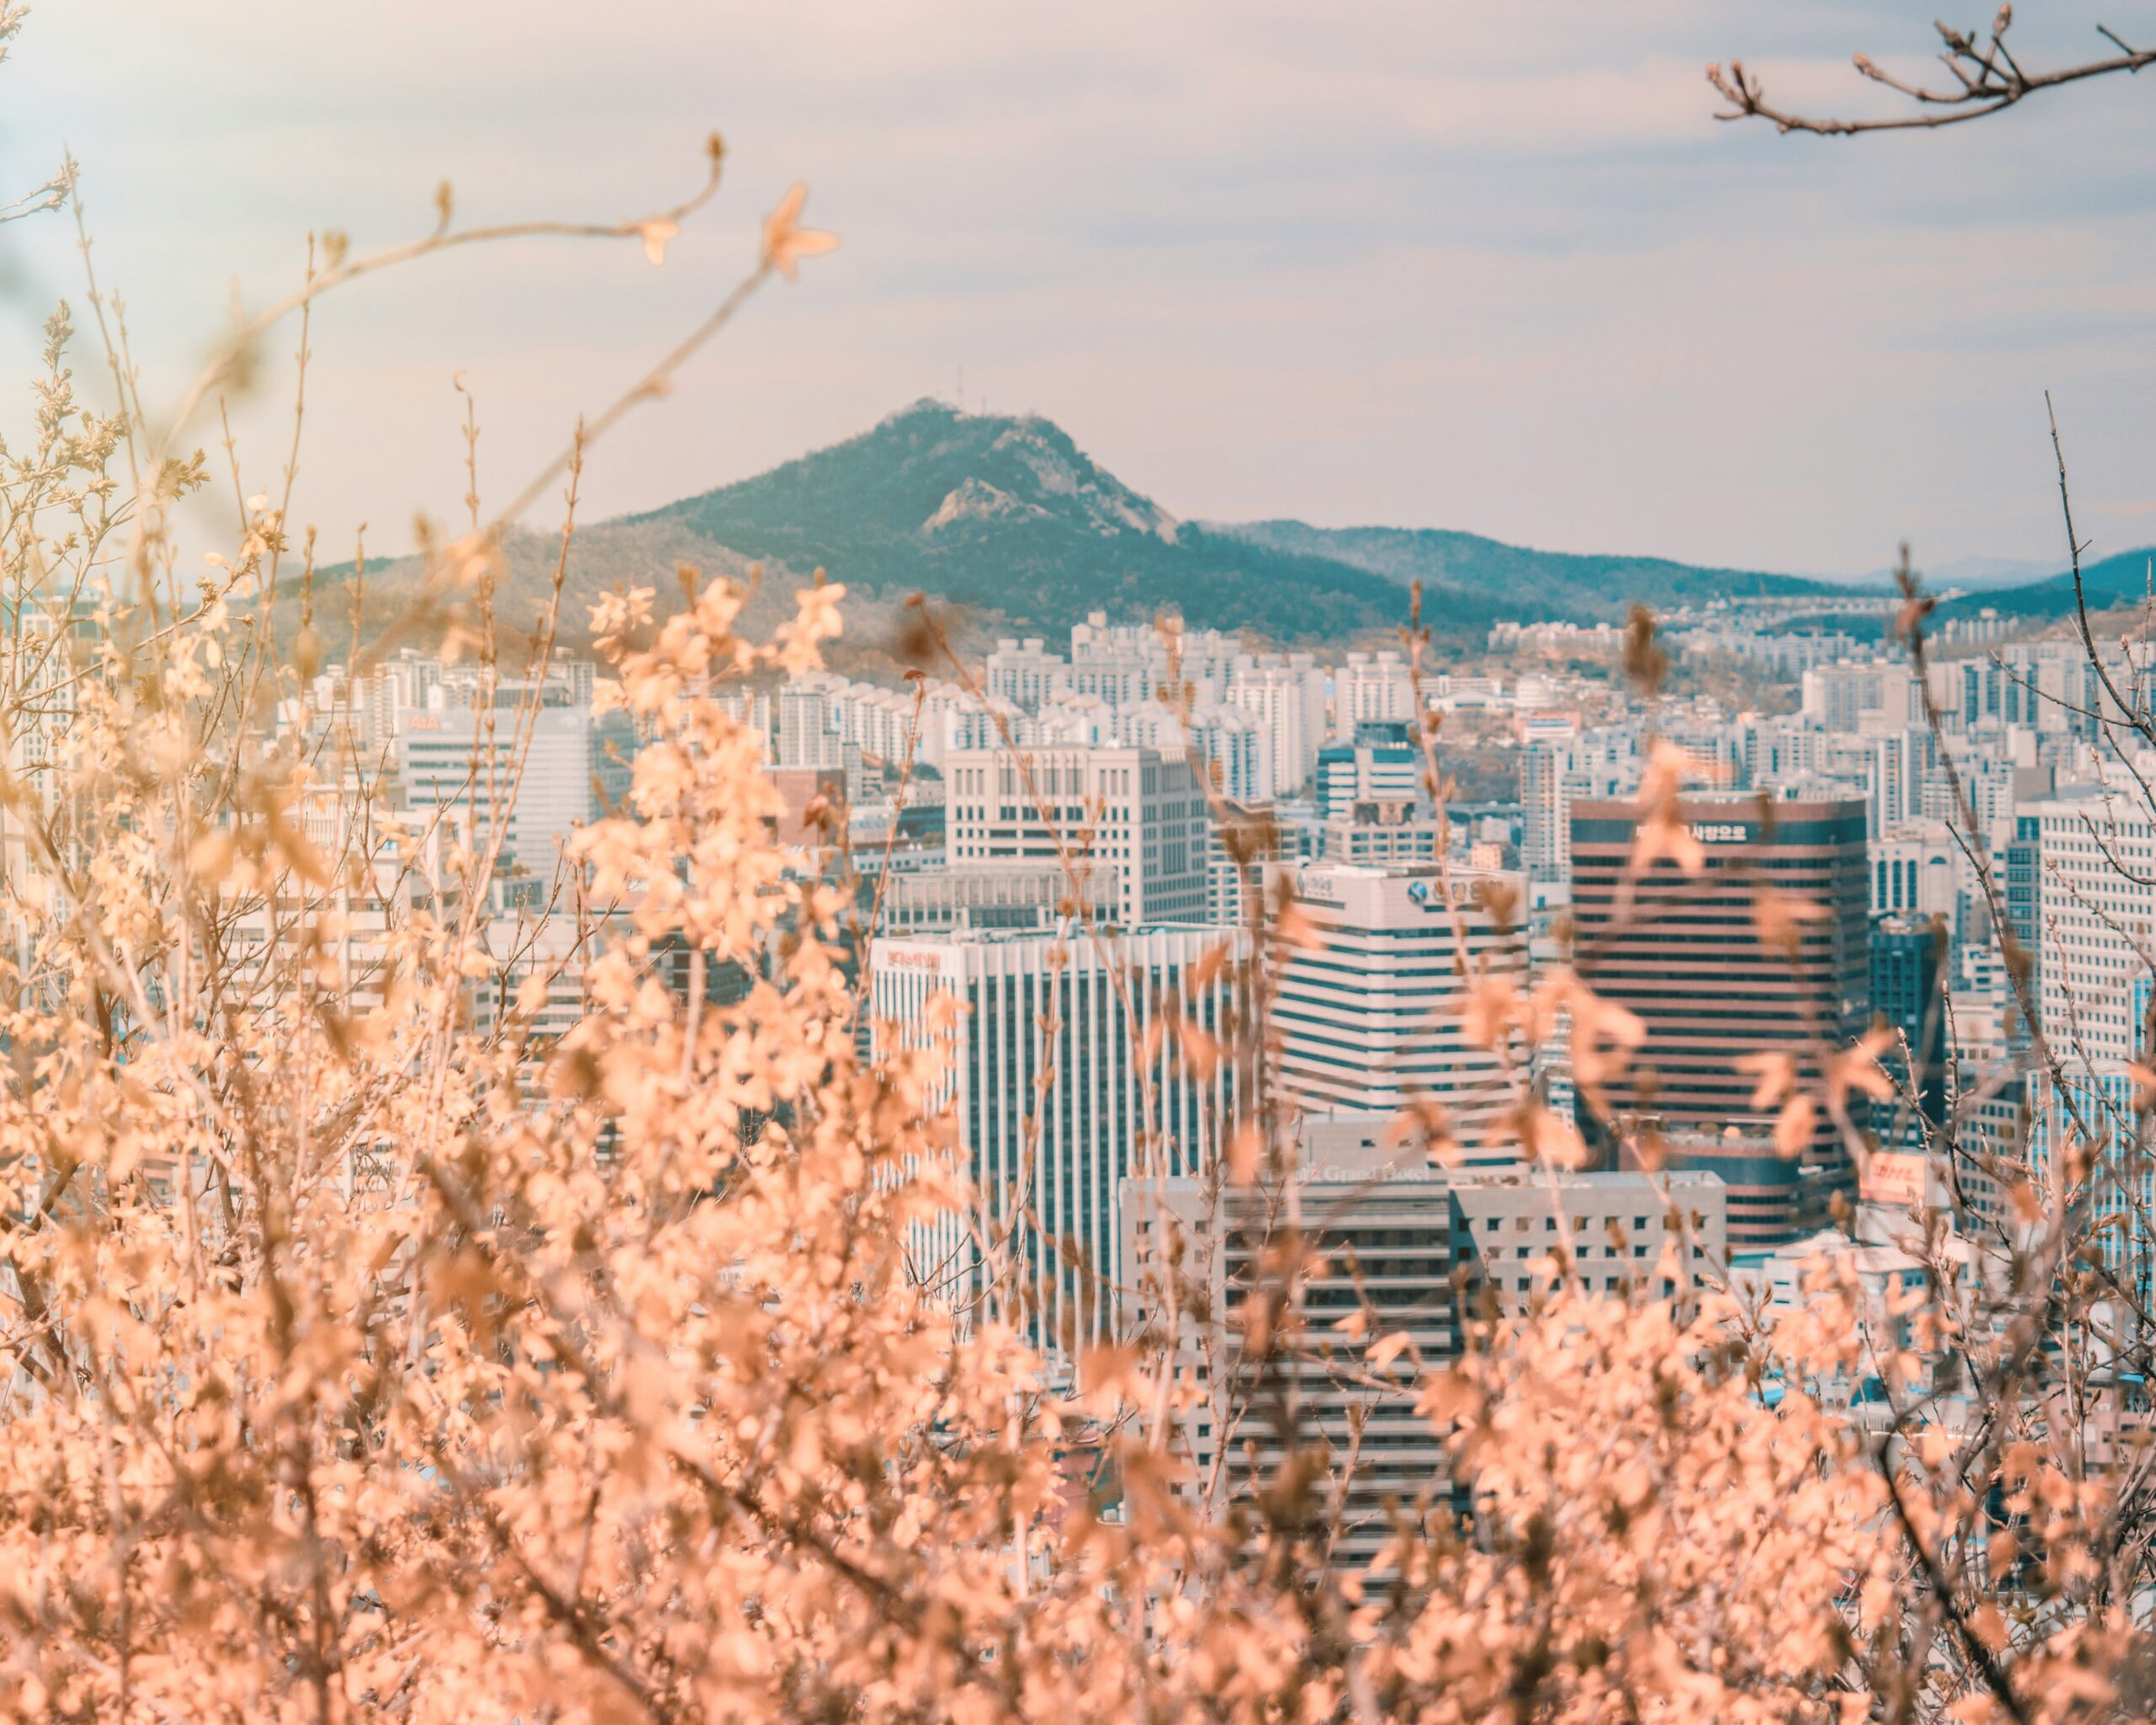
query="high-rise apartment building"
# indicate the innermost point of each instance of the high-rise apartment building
(1225, 739)
(1285, 692)
(1026, 674)
(1122, 664)
(1902, 770)
(1368, 1012)
(394, 689)
(1061, 1095)
(1558, 765)
(1545, 797)
(1134, 814)
(1852, 697)
(1372, 688)
(807, 737)
(1686, 954)
(2098, 856)
(2050, 687)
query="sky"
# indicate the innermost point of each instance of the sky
(1494, 268)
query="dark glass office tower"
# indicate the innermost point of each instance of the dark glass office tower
(1687, 953)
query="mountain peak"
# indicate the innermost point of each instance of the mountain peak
(1007, 515)
(925, 407)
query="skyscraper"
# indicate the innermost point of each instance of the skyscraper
(1909, 991)
(2098, 858)
(539, 774)
(1369, 1014)
(1410, 1245)
(1131, 813)
(1687, 954)
(1061, 1090)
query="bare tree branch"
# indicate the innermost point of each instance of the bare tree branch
(1987, 79)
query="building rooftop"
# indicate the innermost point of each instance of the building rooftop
(1067, 928)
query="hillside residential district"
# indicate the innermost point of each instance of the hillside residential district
(1026, 837)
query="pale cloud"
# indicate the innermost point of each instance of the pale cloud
(1494, 268)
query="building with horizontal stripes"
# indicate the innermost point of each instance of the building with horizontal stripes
(1132, 815)
(1717, 991)
(1068, 1071)
(2094, 982)
(1367, 1009)
(1417, 1250)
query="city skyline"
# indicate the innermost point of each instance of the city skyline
(1151, 951)
(1497, 276)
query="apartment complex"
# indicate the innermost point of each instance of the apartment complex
(2098, 856)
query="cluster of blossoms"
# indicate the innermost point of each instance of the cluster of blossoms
(364, 1355)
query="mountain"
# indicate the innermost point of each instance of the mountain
(2124, 578)
(1975, 572)
(1011, 515)
(1544, 582)
(1013, 528)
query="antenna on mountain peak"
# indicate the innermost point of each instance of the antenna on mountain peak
(961, 389)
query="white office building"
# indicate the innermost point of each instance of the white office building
(1133, 813)
(460, 770)
(2098, 915)
(1916, 871)
(1368, 1014)
(1060, 1097)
